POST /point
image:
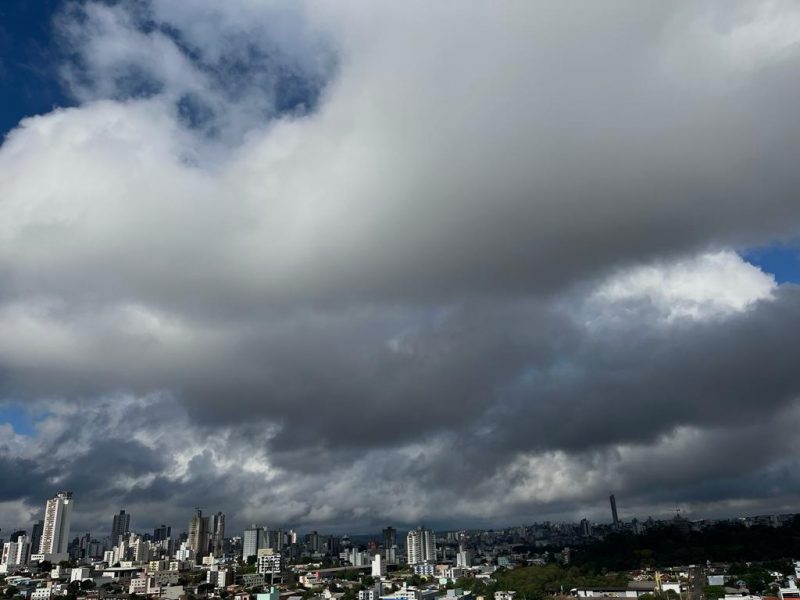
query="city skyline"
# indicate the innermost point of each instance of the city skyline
(259, 535)
(344, 265)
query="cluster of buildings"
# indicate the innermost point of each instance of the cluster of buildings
(280, 564)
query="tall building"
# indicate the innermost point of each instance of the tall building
(312, 542)
(275, 539)
(390, 545)
(334, 545)
(614, 517)
(197, 541)
(378, 567)
(389, 537)
(420, 546)
(586, 528)
(637, 526)
(55, 532)
(217, 534)
(253, 540)
(162, 533)
(121, 526)
(36, 535)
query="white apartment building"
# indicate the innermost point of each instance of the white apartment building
(268, 562)
(219, 578)
(55, 533)
(378, 567)
(420, 546)
(15, 554)
(411, 593)
(42, 593)
(463, 558)
(358, 558)
(184, 553)
(80, 573)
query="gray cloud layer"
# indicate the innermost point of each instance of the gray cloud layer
(335, 266)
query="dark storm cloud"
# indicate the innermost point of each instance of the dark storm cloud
(641, 381)
(224, 295)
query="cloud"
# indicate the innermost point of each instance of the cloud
(453, 257)
(710, 285)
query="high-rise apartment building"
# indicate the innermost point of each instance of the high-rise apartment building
(253, 540)
(55, 532)
(217, 534)
(614, 517)
(586, 528)
(275, 539)
(312, 542)
(389, 537)
(378, 567)
(390, 545)
(420, 546)
(162, 533)
(36, 535)
(197, 541)
(121, 526)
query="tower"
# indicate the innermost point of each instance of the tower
(586, 528)
(36, 535)
(198, 534)
(253, 540)
(420, 546)
(614, 517)
(57, 517)
(120, 526)
(217, 533)
(162, 533)
(390, 544)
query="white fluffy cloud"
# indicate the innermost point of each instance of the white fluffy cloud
(709, 285)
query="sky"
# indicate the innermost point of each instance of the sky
(335, 266)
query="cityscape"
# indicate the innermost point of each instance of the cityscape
(203, 560)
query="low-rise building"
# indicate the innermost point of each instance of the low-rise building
(42, 593)
(80, 574)
(424, 569)
(144, 586)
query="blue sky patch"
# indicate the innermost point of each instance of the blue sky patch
(781, 260)
(29, 59)
(18, 416)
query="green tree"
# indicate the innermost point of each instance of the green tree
(713, 592)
